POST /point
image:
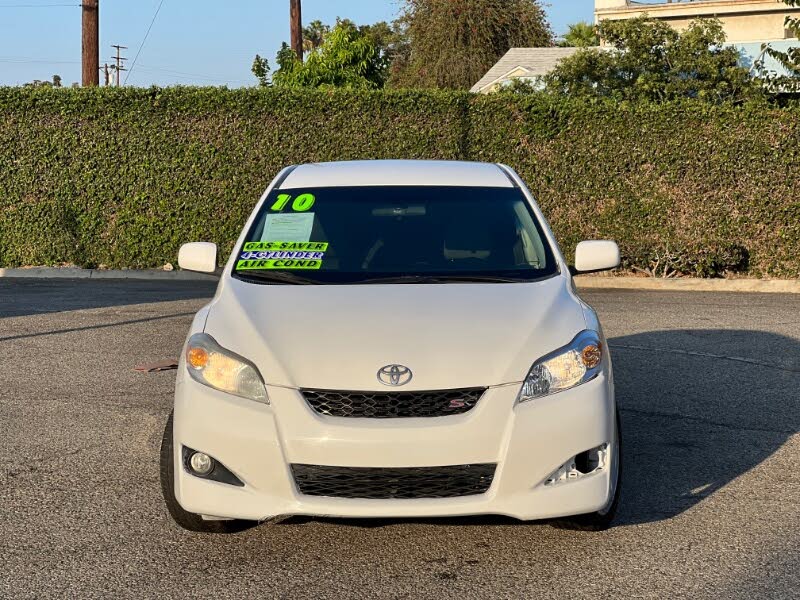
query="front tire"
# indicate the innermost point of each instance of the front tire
(602, 519)
(187, 520)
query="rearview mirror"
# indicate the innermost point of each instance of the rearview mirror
(597, 255)
(198, 256)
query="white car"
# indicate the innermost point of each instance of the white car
(394, 339)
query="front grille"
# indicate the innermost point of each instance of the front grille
(392, 405)
(401, 483)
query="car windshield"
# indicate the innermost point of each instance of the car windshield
(402, 234)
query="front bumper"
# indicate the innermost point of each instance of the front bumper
(259, 442)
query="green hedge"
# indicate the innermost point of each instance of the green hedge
(697, 188)
(122, 177)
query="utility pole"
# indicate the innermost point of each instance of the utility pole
(90, 42)
(296, 27)
(120, 64)
(106, 75)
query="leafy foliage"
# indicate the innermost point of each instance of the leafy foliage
(391, 40)
(790, 59)
(56, 82)
(124, 176)
(580, 35)
(314, 35)
(452, 43)
(652, 61)
(345, 58)
(709, 189)
(260, 69)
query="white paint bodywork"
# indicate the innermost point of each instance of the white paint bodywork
(397, 172)
(449, 335)
(596, 255)
(198, 256)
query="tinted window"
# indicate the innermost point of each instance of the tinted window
(358, 234)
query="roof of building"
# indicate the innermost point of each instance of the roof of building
(536, 61)
(397, 172)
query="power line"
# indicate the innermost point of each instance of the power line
(208, 76)
(160, 69)
(36, 5)
(199, 78)
(25, 61)
(135, 58)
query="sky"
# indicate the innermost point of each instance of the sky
(192, 42)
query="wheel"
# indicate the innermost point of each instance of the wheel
(185, 519)
(602, 519)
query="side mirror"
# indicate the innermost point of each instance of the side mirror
(198, 256)
(597, 255)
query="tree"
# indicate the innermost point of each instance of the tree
(790, 59)
(452, 43)
(650, 60)
(346, 55)
(260, 69)
(36, 83)
(580, 35)
(314, 35)
(346, 58)
(390, 39)
(390, 42)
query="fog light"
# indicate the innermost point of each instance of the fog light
(202, 464)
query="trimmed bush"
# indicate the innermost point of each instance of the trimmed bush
(122, 177)
(716, 186)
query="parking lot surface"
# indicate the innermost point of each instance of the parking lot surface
(708, 387)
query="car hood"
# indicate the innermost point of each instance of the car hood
(449, 335)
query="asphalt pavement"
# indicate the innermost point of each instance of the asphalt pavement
(708, 387)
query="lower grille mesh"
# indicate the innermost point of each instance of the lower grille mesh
(399, 483)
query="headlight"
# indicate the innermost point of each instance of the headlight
(574, 364)
(212, 365)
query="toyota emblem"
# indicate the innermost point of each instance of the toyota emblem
(394, 375)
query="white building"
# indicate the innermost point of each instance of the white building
(748, 24)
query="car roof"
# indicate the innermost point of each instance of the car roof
(398, 173)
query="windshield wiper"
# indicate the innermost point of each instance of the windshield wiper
(275, 277)
(450, 278)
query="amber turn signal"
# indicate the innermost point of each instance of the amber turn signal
(197, 357)
(591, 356)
